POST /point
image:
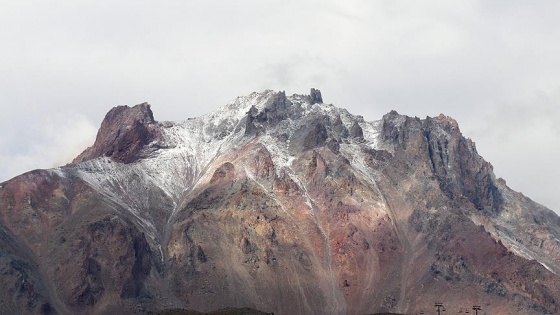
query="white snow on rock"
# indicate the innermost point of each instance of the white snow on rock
(183, 158)
(189, 147)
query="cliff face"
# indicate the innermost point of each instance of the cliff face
(124, 134)
(279, 203)
(451, 158)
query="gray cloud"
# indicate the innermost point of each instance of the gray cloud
(524, 137)
(51, 142)
(491, 65)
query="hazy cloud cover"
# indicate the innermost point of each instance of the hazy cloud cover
(492, 65)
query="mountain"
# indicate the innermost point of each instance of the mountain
(280, 203)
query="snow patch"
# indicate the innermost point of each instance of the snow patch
(371, 132)
(354, 154)
(511, 244)
(279, 153)
(308, 200)
(187, 149)
(58, 171)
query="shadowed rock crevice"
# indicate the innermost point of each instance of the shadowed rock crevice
(20, 281)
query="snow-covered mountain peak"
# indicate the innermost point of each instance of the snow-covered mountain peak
(285, 203)
(184, 155)
(269, 112)
(181, 153)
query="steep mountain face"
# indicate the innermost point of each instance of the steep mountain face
(278, 203)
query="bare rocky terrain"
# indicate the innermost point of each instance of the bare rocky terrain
(279, 203)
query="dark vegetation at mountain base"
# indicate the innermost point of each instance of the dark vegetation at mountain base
(229, 311)
(225, 311)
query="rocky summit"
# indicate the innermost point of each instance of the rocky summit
(284, 204)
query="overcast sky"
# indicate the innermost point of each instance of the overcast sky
(492, 65)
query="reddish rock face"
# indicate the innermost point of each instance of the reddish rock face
(278, 203)
(124, 133)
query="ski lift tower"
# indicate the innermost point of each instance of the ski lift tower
(476, 308)
(439, 306)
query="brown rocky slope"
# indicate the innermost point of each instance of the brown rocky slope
(278, 203)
